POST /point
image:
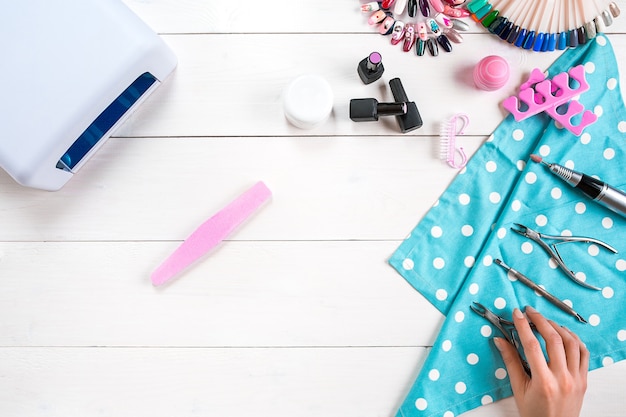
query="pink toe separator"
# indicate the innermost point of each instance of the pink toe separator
(539, 94)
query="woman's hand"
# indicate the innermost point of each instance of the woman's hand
(557, 386)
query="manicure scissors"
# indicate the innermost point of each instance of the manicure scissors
(551, 248)
(506, 327)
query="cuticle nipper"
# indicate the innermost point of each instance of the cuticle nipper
(553, 252)
(506, 327)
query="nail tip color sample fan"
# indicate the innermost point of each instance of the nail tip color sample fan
(544, 25)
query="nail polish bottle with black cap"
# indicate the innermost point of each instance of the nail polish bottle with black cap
(410, 120)
(369, 109)
(371, 68)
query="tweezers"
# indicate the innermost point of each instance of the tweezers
(551, 248)
(506, 327)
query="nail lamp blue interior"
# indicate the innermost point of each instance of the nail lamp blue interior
(72, 72)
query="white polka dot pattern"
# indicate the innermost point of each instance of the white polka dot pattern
(449, 256)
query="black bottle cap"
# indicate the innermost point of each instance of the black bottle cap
(412, 119)
(369, 109)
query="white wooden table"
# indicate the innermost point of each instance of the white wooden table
(298, 313)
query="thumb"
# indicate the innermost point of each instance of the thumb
(513, 363)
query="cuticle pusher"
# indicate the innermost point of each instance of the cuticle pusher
(543, 292)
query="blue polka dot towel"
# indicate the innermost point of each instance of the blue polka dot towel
(449, 256)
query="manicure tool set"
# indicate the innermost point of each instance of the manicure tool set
(591, 187)
(549, 244)
(507, 327)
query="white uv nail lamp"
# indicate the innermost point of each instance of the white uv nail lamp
(71, 71)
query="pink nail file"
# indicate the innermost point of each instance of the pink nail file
(210, 233)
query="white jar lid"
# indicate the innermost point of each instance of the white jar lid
(308, 101)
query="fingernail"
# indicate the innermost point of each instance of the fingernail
(530, 309)
(498, 342)
(518, 313)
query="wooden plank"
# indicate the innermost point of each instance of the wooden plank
(161, 189)
(243, 294)
(281, 16)
(207, 382)
(120, 382)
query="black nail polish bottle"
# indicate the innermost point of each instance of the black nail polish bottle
(369, 109)
(371, 68)
(411, 120)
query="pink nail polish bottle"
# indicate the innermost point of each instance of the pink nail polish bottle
(491, 73)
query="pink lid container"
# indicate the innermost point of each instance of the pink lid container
(491, 73)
